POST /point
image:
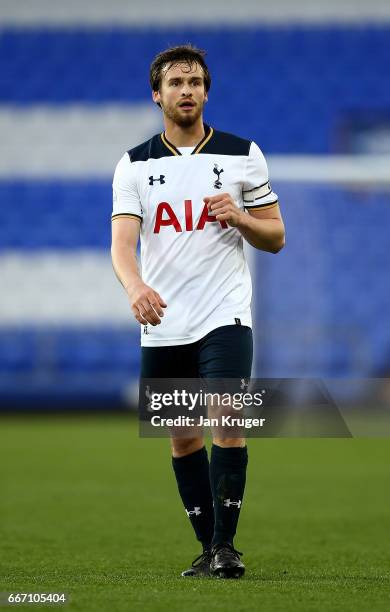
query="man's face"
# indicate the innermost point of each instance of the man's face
(182, 93)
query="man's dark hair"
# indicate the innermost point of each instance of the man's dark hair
(184, 53)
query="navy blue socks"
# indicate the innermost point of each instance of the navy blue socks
(212, 495)
(193, 481)
(227, 477)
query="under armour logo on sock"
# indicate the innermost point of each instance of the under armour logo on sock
(195, 511)
(227, 503)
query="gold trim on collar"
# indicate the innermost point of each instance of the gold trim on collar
(203, 142)
(198, 147)
(172, 148)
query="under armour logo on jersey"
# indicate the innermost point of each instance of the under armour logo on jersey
(227, 503)
(160, 179)
(195, 511)
(218, 172)
(146, 330)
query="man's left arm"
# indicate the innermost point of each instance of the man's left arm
(262, 228)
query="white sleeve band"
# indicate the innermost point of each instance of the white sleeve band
(257, 190)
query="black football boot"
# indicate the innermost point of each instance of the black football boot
(200, 566)
(225, 561)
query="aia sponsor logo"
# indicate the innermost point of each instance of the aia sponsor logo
(166, 217)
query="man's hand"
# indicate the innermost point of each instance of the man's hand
(147, 305)
(224, 209)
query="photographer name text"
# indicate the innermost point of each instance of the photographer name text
(223, 421)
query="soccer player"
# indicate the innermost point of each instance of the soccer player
(194, 194)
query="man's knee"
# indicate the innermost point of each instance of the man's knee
(229, 442)
(185, 446)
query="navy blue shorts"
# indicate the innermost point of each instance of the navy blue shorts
(225, 352)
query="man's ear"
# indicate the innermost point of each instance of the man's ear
(156, 97)
(206, 98)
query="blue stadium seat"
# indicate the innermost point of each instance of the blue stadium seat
(331, 71)
(323, 304)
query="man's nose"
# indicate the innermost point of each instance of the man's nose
(185, 90)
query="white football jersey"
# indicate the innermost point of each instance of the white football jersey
(193, 261)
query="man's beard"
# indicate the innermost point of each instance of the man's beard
(183, 120)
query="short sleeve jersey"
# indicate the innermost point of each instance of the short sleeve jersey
(195, 262)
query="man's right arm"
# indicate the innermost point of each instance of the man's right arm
(146, 304)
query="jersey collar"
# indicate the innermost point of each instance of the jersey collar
(208, 133)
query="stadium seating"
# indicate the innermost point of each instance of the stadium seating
(322, 305)
(290, 87)
(58, 213)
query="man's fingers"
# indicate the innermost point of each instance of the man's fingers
(148, 307)
(156, 306)
(141, 315)
(223, 210)
(215, 198)
(157, 303)
(227, 215)
(137, 316)
(148, 313)
(160, 300)
(223, 217)
(209, 200)
(217, 206)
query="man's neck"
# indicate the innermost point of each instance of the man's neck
(184, 137)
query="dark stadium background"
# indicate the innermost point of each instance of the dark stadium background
(310, 83)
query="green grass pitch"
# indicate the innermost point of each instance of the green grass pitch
(91, 509)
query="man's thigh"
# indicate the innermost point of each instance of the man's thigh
(226, 352)
(179, 361)
(225, 359)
